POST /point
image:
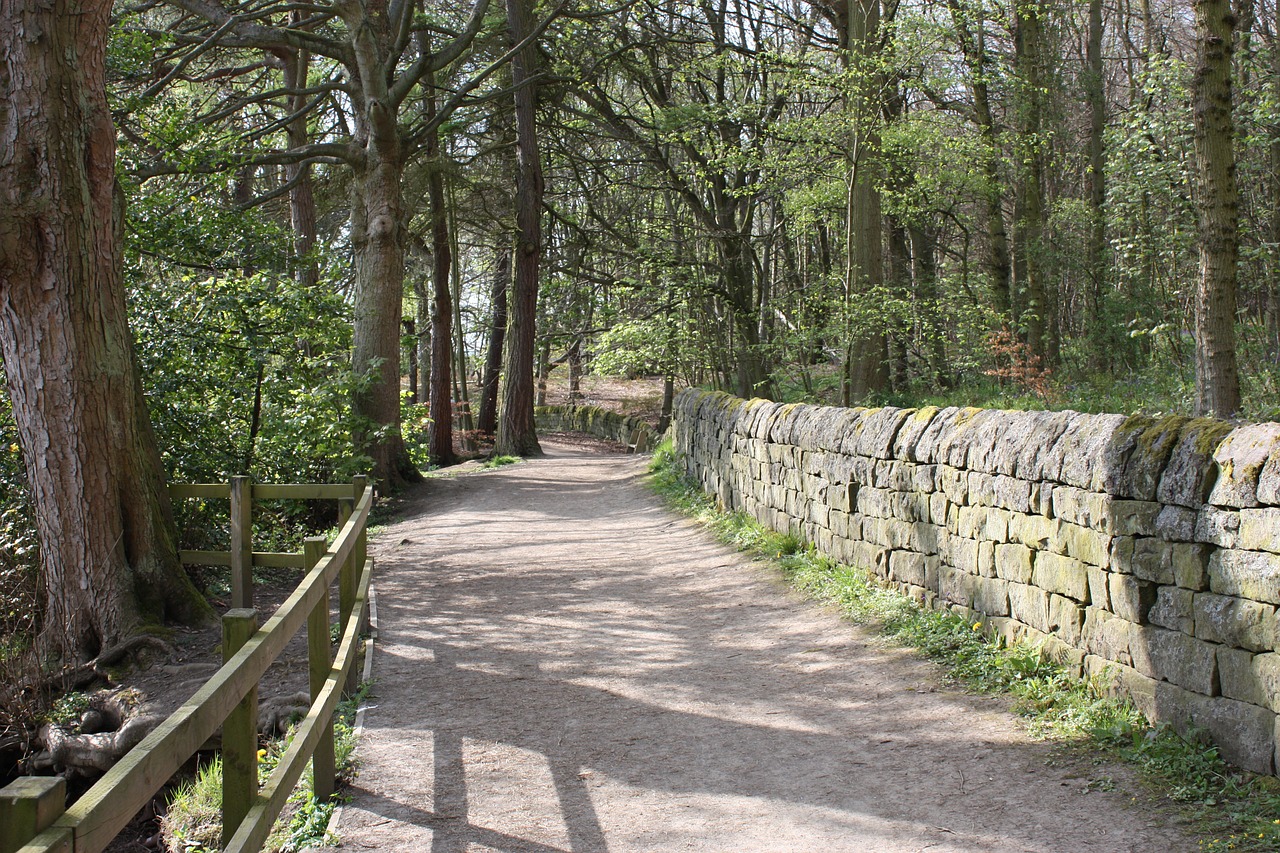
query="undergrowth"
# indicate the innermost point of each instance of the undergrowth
(193, 822)
(1232, 809)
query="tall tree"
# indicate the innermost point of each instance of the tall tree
(517, 432)
(108, 558)
(1217, 206)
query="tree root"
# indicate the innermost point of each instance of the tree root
(115, 722)
(73, 678)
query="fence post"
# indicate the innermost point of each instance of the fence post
(241, 542)
(28, 806)
(346, 576)
(319, 656)
(240, 731)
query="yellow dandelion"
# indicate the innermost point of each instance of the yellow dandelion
(262, 753)
(977, 626)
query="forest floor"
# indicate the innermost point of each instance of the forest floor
(563, 664)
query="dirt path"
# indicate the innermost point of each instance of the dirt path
(563, 665)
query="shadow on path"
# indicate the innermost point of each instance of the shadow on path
(563, 665)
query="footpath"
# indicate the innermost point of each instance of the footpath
(564, 665)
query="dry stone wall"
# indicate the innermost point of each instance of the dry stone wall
(601, 423)
(1144, 551)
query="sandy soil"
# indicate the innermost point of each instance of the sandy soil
(563, 665)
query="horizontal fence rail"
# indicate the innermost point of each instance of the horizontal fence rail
(32, 815)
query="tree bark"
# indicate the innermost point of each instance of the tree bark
(867, 368)
(108, 558)
(488, 420)
(1029, 57)
(302, 202)
(440, 405)
(1217, 206)
(517, 432)
(1096, 262)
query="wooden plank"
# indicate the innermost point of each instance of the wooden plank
(319, 663)
(275, 793)
(240, 731)
(241, 542)
(56, 839)
(28, 806)
(107, 807)
(207, 491)
(205, 558)
(301, 491)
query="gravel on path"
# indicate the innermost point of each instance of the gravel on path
(565, 665)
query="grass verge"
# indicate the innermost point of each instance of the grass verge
(1231, 809)
(193, 821)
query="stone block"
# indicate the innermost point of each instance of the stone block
(877, 430)
(1235, 621)
(1012, 494)
(1132, 598)
(954, 483)
(1260, 529)
(1034, 531)
(1219, 527)
(1035, 438)
(1266, 671)
(1174, 609)
(1099, 587)
(1176, 524)
(1269, 482)
(1013, 562)
(1063, 575)
(875, 503)
(1247, 574)
(976, 442)
(928, 445)
(1191, 469)
(916, 569)
(938, 505)
(987, 559)
(962, 553)
(1241, 457)
(1029, 605)
(1190, 564)
(1108, 636)
(990, 596)
(1135, 457)
(1244, 734)
(1083, 450)
(1085, 545)
(1118, 680)
(1177, 658)
(956, 586)
(1042, 499)
(1066, 619)
(1236, 677)
(1132, 518)
(982, 489)
(912, 431)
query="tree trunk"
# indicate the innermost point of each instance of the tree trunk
(867, 368)
(488, 420)
(1096, 262)
(302, 202)
(108, 558)
(1217, 205)
(377, 238)
(1029, 57)
(999, 266)
(517, 432)
(440, 409)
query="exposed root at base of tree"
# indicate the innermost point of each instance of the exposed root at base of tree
(114, 723)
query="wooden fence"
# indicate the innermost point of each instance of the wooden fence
(33, 817)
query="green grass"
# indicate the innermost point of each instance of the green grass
(194, 819)
(499, 461)
(1233, 810)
